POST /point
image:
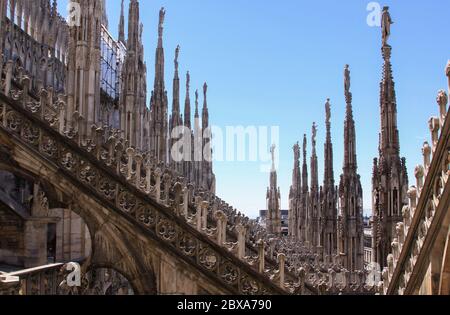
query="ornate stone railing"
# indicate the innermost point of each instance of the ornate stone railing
(128, 182)
(9, 285)
(428, 203)
(44, 280)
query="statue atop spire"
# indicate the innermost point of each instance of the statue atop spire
(196, 104)
(272, 151)
(328, 111)
(347, 84)
(177, 53)
(162, 15)
(188, 81)
(205, 88)
(390, 176)
(187, 103)
(305, 142)
(297, 152)
(314, 135)
(386, 22)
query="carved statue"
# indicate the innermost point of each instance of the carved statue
(347, 79)
(188, 80)
(296, 151)
(177, 53)
(305, 142)
(386, 22)
(162, 14)
(447, 69)
(272, 151)
(314, 133)
(328, 110)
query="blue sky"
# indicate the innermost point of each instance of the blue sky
(274, 63)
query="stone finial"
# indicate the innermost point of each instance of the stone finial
(138, 158)
(130, 153)
(400, 229)
(395, 250)
(412, 195)
(261, 256)
(158, 174)
(434, 125)
(390, 263)
(281, 260)
(419, 173)
(221, 227)
(242, 231)
(442, 100)
(447, 69)
(426, 151)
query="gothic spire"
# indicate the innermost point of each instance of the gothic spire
(273, 200)
(296, 173)
(122, 25)
(329, 172)
(314, 163)
(176, 119)
(187, 103)
(350, 163)
(389, 139)
(305, 168)
(133, 43)
(159, 102)
(205, 113)
(159, 60)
